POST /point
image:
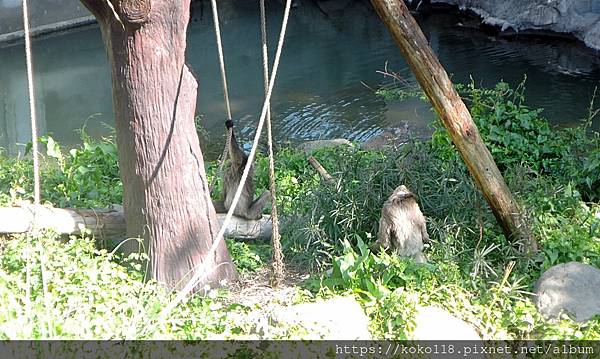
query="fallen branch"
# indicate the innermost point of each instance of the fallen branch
(322, 171)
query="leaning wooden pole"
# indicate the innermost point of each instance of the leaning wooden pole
(456, 118)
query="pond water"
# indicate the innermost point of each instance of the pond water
(324, 86)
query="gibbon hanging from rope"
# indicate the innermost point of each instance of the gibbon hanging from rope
(247, 207)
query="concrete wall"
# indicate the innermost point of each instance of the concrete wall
(15, 129)
(41, 12)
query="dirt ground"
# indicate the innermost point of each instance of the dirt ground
(254, 288)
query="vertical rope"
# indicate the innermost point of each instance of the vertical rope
(36, 165)
(30, 85)
(221, 57)
(278, 266)
(223, 157)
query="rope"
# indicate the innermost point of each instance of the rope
(221, 58)
(278, 266)
(201, 270)
(223, 157)
(36, 164)
(34, 140)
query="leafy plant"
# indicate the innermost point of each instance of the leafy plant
(248, 257)
(85, 177)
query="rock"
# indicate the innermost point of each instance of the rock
(541, 16)
(116, 207)
(310, 146)
(384, 139)
(573, 288)
(387, 138)
(576, 17)
(339, 318)
(592, 37)
(434, 323)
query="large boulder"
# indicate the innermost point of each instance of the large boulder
(577, 17)
(572, 288)
(339, 318)
(434, 323)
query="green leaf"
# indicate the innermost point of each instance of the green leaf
(82, 170)
(53, 149)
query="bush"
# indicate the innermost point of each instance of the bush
(86, 177)
(248, 257)
(519, 136)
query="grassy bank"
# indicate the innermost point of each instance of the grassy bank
(473, 270)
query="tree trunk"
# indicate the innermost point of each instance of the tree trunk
(455, 116)
(165, 194)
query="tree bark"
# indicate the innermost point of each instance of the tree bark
(456, 118)
(165, 195)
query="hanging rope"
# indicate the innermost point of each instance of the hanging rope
(278, 266)
(223, 157)
(201, 270)
(30, 85)
(34, 148)
(221, 57)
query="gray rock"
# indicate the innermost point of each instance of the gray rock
(434, 323)
(384, 139)
(592, 36)
(388, 138)
(572, 288)
(339, 318)
(311, 146)
(541, 15)
(577, 17)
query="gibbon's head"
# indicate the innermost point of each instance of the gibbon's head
(401, 193)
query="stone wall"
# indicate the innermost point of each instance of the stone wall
(580, 18)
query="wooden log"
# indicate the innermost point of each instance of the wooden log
(102, 222)
(108, 223)
(456, 118)
(242, 228)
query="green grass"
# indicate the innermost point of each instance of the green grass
(473, 270)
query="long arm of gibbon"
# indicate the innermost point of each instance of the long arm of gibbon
(238, 156)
